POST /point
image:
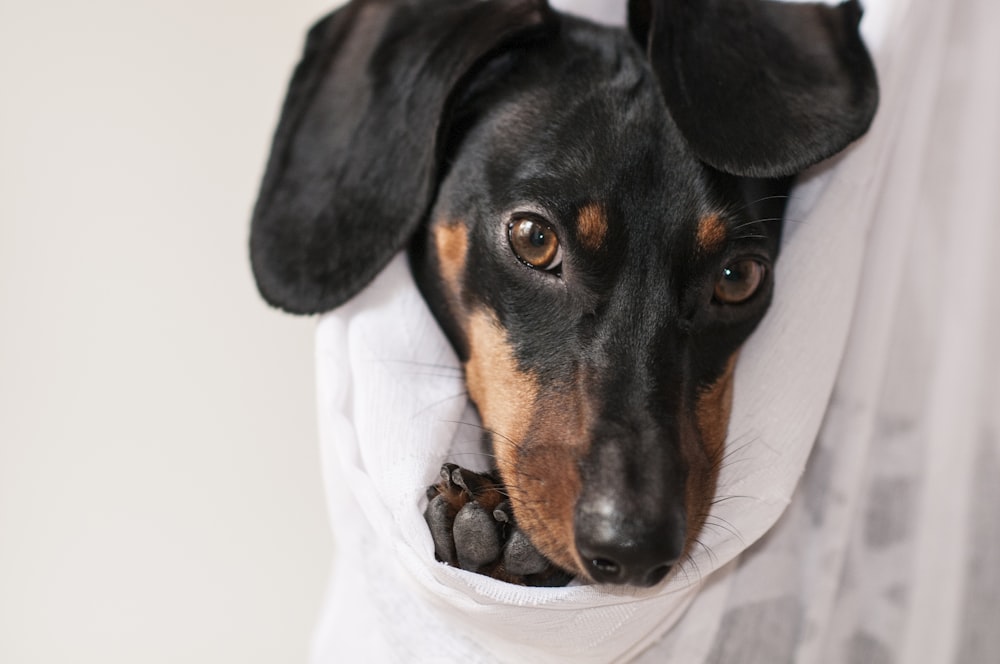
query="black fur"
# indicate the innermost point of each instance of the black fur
(355, 155)
(761, 89)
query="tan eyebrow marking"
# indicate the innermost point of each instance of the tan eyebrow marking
(711, 232)
(592, 226)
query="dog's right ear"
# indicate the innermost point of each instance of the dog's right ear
(356, 153)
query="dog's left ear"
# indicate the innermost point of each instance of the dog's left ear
(760, 88)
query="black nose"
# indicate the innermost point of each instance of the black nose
(623, 548)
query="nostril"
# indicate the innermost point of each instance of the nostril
(657, 574)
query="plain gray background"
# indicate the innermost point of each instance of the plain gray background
(160, 497)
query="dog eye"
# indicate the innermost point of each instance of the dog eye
(739, 281)
(535, 243)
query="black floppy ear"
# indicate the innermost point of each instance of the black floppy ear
(355, 155)
(760, 88)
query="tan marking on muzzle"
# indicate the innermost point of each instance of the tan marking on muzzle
(592, 226)
(547, 482)
(504, 395)
(714, 408)
(712, 412)
(537, 438)
(711, 232)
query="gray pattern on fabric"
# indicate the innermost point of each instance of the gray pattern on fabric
(980, 633)
(759, 633)
(863, 648)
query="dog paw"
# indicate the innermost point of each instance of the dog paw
(473, 528)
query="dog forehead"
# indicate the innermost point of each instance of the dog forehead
(580, 125)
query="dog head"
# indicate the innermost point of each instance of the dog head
(593, 216)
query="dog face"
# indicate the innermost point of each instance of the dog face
(597, 280)
(593, 216)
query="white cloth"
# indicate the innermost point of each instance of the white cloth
(875, 363)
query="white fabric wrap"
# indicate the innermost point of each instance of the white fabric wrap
(875, 364)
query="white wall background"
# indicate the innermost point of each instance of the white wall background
(160, 498)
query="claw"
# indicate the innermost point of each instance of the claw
(502, 513)
(447, 471)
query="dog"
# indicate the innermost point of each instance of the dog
(593, 215)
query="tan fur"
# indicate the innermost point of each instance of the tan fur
(538, 439)
(712, 413)
(452, 243)
(504, 395)
(592, 226)
(711, 232)
(713, 410)
(547, 480)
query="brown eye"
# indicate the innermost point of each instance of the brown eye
(739, 281)
(535, 243)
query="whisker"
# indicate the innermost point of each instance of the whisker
(773, 197)
(502, 437)
(427, 365)
(689, 561)
(430, 374)
(731, 451)
(709, 551)
(764, 220)
(723, 499)
(452, 455)
(462, 394)
(723, 524)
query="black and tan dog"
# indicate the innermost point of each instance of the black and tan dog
(592, 214)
